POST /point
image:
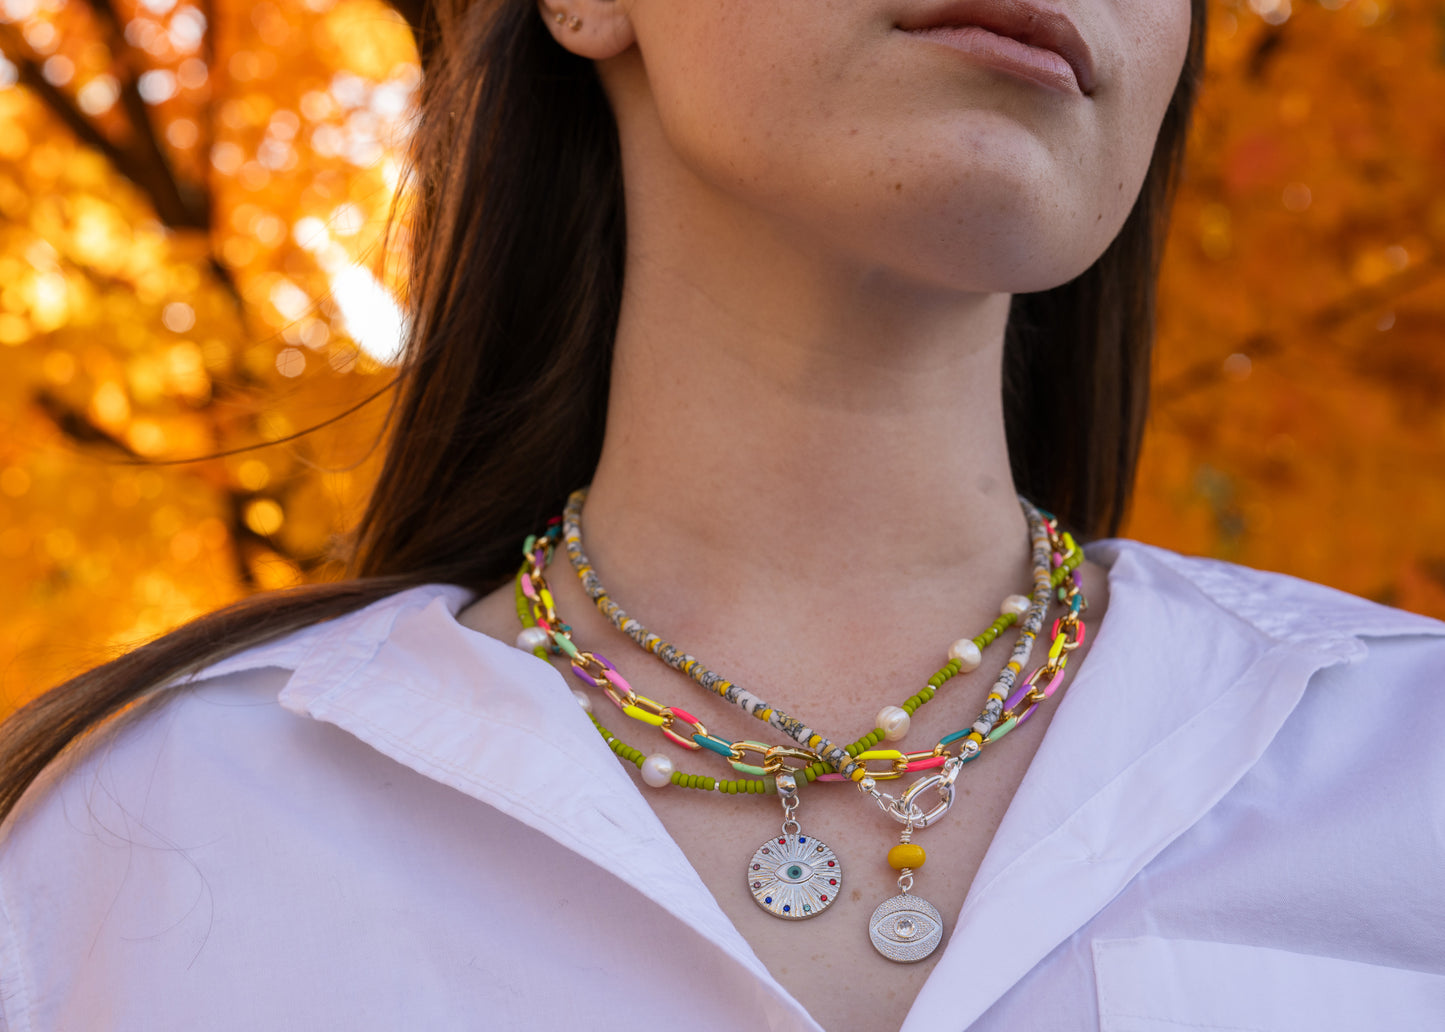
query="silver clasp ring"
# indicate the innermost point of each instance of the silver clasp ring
(907, 811)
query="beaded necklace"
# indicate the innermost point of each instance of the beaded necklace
(796, 876)
(837, 757)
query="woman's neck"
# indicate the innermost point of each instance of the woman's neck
(782, 439)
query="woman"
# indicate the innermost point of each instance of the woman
(808, 294)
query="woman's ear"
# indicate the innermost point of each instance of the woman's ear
(597, 29)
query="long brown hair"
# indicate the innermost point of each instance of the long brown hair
(514, 290)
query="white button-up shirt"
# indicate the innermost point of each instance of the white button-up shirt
(390, 821)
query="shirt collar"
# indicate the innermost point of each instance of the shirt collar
(1192, 673)
(502, 726)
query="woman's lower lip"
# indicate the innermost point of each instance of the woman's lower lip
(1009, 55)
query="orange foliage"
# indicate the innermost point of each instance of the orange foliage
(191, 215)
(184, 231)
(1299, 416)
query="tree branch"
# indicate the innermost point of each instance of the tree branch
(177, 204)
(77, 426)
(34, 80)
(1207, 372)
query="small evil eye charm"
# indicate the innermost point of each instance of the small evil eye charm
(905, 928)
(794, 876)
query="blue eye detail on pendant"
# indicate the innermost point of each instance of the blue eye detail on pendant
(905, 928)
(794, 873)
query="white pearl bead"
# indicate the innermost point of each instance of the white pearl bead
(532, 638)
(583, 699)
(968, 654)
(657, 770)
(1018, 605)
(893, 721)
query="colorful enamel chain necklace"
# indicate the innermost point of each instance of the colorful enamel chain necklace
(796, 876)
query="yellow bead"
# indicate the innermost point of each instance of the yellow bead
(906, 855)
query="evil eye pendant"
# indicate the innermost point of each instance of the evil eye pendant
(906, 928)
(794, 876)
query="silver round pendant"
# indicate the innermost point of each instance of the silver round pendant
(794, 876)
(905, 928)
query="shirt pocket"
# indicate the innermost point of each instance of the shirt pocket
(1173, 985)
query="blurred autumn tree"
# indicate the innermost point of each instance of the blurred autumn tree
(190, 198)
(1299, 400)
(192, 193)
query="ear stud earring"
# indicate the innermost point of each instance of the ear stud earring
(574, 23)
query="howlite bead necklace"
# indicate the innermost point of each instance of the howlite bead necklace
(545, 632)
(837, 757)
